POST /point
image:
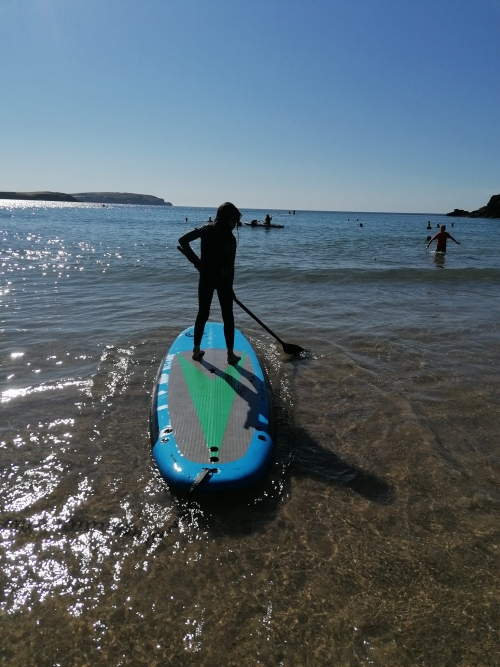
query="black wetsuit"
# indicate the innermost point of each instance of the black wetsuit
(218, 252)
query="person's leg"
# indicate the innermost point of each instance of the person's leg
(205, 294)
(225, 294)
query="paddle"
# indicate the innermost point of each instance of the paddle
(288, 348)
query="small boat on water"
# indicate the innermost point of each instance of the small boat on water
(256, 223)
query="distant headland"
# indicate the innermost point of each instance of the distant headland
(491, 210)
(89, 197)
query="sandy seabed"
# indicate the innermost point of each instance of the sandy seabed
(373, 541)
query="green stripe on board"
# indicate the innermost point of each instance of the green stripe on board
(212, 398)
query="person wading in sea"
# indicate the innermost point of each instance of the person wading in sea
(216, 267)
(441, 238)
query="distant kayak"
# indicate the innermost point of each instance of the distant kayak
(261, 224)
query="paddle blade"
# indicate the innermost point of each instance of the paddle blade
(294, 350)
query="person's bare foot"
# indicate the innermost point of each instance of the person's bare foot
(232, 358)
(198, 354)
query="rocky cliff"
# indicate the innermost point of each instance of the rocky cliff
(119, 198)
(92, 197)
(38, 196)
(491, 210)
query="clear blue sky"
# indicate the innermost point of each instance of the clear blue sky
(362, 105)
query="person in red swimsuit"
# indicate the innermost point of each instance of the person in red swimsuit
(441, 238)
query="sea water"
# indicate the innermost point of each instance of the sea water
(374, 538)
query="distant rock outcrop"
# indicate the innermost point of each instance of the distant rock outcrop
(90, 197)
(491, 210)
(119, 198)
(38, 196)
(459, 213)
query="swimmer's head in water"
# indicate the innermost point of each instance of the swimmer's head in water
(227, 214)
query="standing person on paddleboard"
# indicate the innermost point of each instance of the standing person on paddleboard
(216, 267)
(441, 238)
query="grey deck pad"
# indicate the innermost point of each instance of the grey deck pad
(213, 406)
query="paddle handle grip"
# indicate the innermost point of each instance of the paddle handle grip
(180, 249)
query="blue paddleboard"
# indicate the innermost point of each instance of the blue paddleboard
(211, 422)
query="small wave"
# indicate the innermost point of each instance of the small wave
(320, 276)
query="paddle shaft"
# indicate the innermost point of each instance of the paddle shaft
(247, 310)
(290, 349)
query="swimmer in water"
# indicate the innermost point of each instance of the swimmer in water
(441, 238)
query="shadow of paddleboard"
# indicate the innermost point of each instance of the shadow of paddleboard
(313, 460)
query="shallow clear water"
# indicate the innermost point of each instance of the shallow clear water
(373, 540)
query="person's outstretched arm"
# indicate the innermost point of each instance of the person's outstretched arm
(432, 239)
(451, 237)
(184, 242)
